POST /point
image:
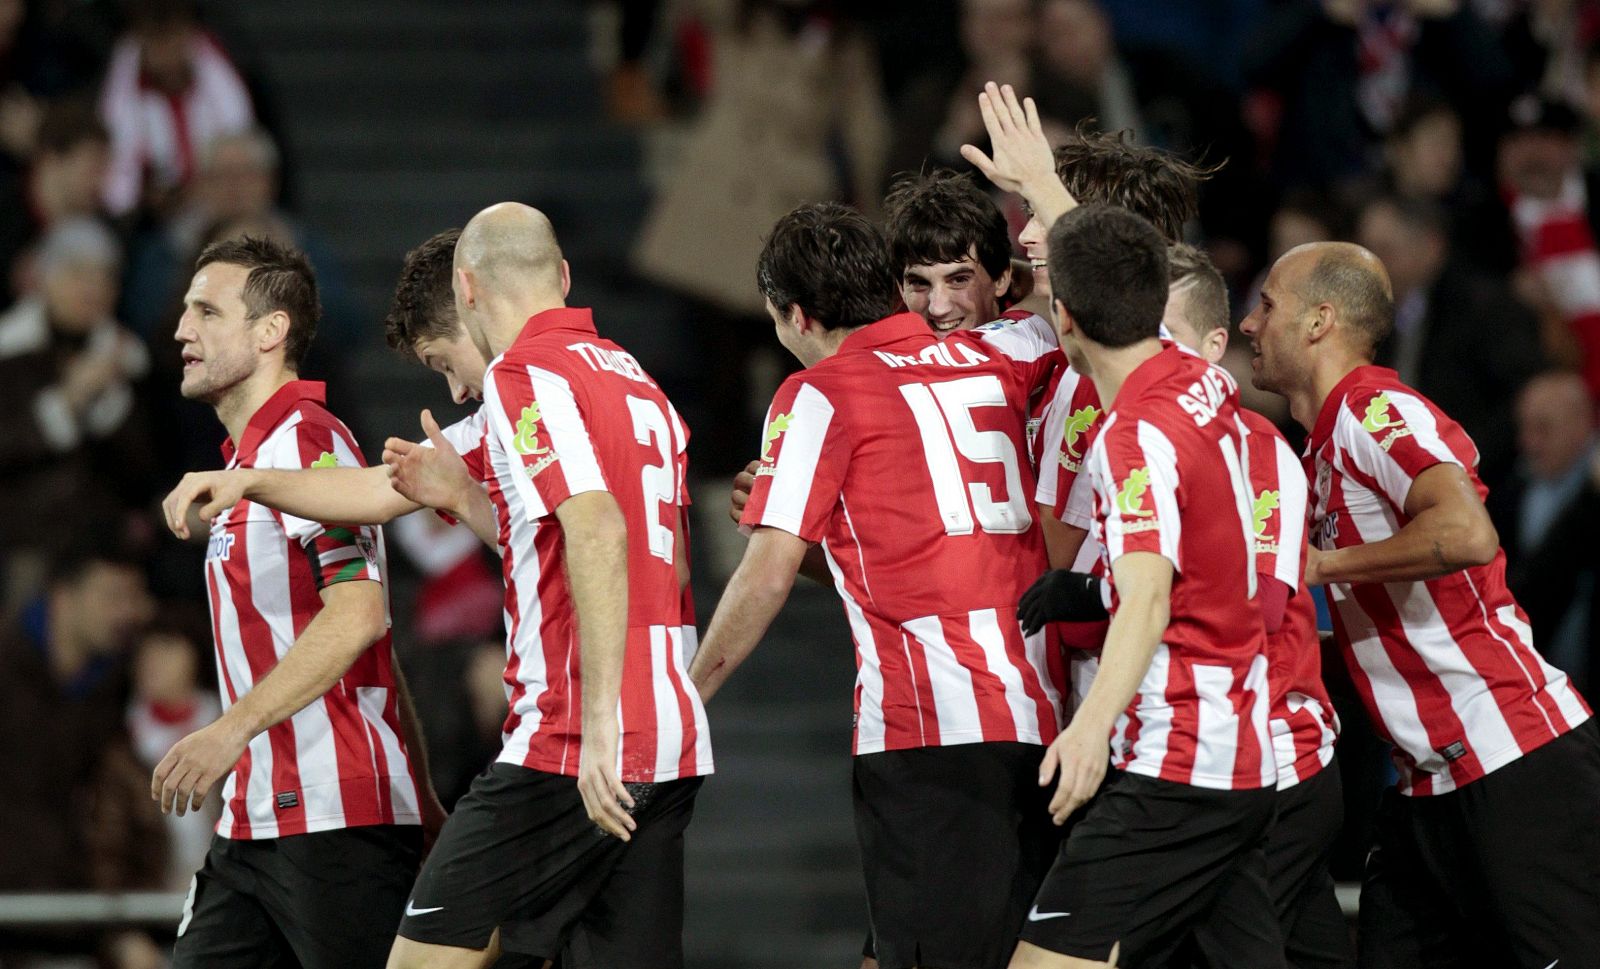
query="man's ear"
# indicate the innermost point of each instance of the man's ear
(797, 318)
(566, 279)
(1323, 319)
(1002, 284)
(272, 331)
(1061, 318)
(465, 288)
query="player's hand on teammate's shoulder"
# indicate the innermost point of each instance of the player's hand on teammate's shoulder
(214, 491)
(604, 797)
(1078, 757)
(743, 483)
(434, 476)
(182, 779)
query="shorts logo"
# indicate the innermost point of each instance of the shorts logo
(527, 439)
(1078, 424)
(1130, 497)
(1266, 503)
(1034, 915)
(775, 429)
(412, 910)
(327, 460)
(1381, 417)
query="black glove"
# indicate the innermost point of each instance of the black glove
(1061, 596)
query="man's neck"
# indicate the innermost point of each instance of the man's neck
(241, 402)
(829, 342)
(1306, 402)
(1111, 366)
(508, 319)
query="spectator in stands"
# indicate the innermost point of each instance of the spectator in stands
(73, 434)
(77, 811)
(1548, 516)
(170, 702)
(62, 181)
(1079, 74)
(169, 90)
(1554, 211)
(997, 39)
(1460, 337)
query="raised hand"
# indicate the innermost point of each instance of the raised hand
(434, 476)
(1022, 160)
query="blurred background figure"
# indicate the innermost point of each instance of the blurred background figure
(462, 592)
(77, 807)
(74, 436)
(1548, 516)
(1459, 337)
(60, 179)
(171, 699)
(169, 90)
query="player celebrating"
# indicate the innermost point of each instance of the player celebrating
(949, 243)
(1485, 855)
(582, 452)
(317, 844)
(952, 701)
(1182, 692)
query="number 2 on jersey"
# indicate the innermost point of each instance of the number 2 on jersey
(943, 412)
(658, 482)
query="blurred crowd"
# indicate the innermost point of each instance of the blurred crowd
(1459, 140)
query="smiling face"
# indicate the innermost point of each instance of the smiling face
(219, 341)
(953, 296)
(1033, 240)
(458, 360)
(1276, 328)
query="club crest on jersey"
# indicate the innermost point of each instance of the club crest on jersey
(527, 439)
(775, 429)
(1265, 504)
(1380, 417)
(1078, 424)
(1130, 497)
(327, 460)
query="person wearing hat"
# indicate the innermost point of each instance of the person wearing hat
(73, 438)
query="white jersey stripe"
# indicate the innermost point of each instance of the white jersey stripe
(986, 632)
(1293, 499)
(568, 432)
(802, 445)
(1155, 722)
(1217, 748)
(1164, 484)
(869, 675)
(953, 699)
(669, 725)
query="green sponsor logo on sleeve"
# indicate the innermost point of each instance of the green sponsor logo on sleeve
(527, 439)
(1130, 497)
(775, 429)
(327, 460)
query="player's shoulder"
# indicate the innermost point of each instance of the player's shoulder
(309, 436)
(1377, 403)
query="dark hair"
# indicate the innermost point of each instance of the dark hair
(1359, 294)
(944, 217)
(1149, 182)
(1207, 293)
(68, 123)
(280, 279)
(1108, 267)
(832, 263)
(424, 305)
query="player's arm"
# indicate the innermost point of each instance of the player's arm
(351, 620)
(433, 812)
(595, 535)
(1448, 530)
(1061, 540)
(1022, 160)
(353, 496)
(1144, 584)
(758, 589)
(814, 565)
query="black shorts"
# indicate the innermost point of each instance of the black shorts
(1147, 864)
(519, 854)
(1313, 928)
(954, 841)
(319, 901)
(1502, 872)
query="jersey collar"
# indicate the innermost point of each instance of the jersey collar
(1170, 360)
(270, 414)
(1330, 407)
(890, 329)
(561, 318)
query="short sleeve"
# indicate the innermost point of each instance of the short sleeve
(1071, 421)
(1279, 497)
(1393, 437)
(804, 456)
(336, 552)
(469, 436)
(1136, 491)
(535, 418)
(1031, 345)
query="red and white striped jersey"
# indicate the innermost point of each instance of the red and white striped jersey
(571, 412)
(1447, 667)
(1303, 723)
(1051, 365)
(1169, 475)
(341, 761)
(904, 456)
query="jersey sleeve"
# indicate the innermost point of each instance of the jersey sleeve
(469, 437)
(1030, 343)
(1393, 437)
(337, 552)
(1136, 491)
(1279, 497)
(804, 456)
(1071, 421)
(534, 416)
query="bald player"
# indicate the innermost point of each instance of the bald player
(1486, 852)
(572, 841)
